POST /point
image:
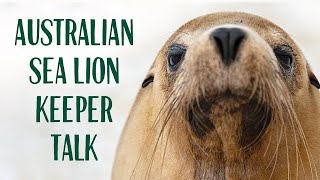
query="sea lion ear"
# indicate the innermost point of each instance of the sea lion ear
(313, 79)
(147, 81)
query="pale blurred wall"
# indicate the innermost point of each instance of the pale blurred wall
(26, 147)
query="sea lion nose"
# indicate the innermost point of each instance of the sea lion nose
(228, 41)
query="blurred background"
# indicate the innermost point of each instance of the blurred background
(26, 148)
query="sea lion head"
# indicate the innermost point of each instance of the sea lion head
(239, 95)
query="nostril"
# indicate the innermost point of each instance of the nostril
(228, 41)
(220, 44)
(236, 37)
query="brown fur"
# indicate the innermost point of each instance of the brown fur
(157, 142)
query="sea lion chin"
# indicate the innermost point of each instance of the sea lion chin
(253, 116)
(229, 96)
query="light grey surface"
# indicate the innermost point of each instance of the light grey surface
(26, 147)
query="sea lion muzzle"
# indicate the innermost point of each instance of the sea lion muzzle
(224, 93)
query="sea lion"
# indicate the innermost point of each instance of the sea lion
(229, 96)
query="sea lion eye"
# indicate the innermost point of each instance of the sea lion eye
(175, 55)
(284, 55)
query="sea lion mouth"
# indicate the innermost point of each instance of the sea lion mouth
(255, 116)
